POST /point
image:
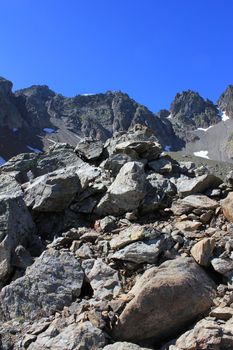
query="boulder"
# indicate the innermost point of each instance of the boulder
(89, 148)
(52, 192)
(198, 184)
(143, 149)
(202, 251)
(200, 202)
(115, 162)
(103, 279)
(163, 165)
(126, 192)
(73, 337)
(187, 225)
(16, 225)
(52, 282)
(159, 193)
(132, 234)
(224, 266)
(227, 207)
(166, 299)
(139, 142)
(142, 252)
(206, 334)
(28, 166)
(194, 201)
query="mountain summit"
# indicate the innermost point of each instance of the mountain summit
(34, 118)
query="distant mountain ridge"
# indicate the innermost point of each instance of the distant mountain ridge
(34, 118)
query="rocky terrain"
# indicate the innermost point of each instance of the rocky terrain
(35, 118)
(114, 245)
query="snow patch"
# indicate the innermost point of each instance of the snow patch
(169, 117)
(2, 161)
(167, 148)
(224, 116)
(90, 94)
(35, 150)
(15, 129)
(202, 154)
(202, 129)
(48, 130)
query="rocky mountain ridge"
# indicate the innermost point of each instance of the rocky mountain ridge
(33, 119)
(114, 246)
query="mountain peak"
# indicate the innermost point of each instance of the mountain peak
(225, 101)
(5, 86)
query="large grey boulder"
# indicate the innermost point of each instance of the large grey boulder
(52, 192)
(199, 184)
(115, 162)
(140, 142)
(125, 193)
(28, 166)
(73, 337)
(132, 234)
(159, 193)
(142, 252)
(166, 299)
(194, 201)
(206, 334)
(89, 148)
(52, 282)
(103, 279)
(16, 225)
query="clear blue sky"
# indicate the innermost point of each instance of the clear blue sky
(150, 49)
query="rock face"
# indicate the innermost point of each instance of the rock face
(52, 282)
(225, 101)
(38, 117)
(190, 111)
(159, 308)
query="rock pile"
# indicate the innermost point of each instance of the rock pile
(114, 246)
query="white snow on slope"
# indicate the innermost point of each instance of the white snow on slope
(48, 130)
(15, 129)
(202, 129)
(36, 150)
(167, 148)
(2, 161)
(90, 94)
(202, 154)
(169, 117)
(224, 117)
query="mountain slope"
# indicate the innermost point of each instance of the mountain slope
(33, 119)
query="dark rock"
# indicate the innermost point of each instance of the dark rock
(52, 282)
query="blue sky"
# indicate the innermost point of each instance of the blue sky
(150, 49)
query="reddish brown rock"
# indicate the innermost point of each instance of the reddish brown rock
(202, 251)
(167, 298)
(227, 207)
